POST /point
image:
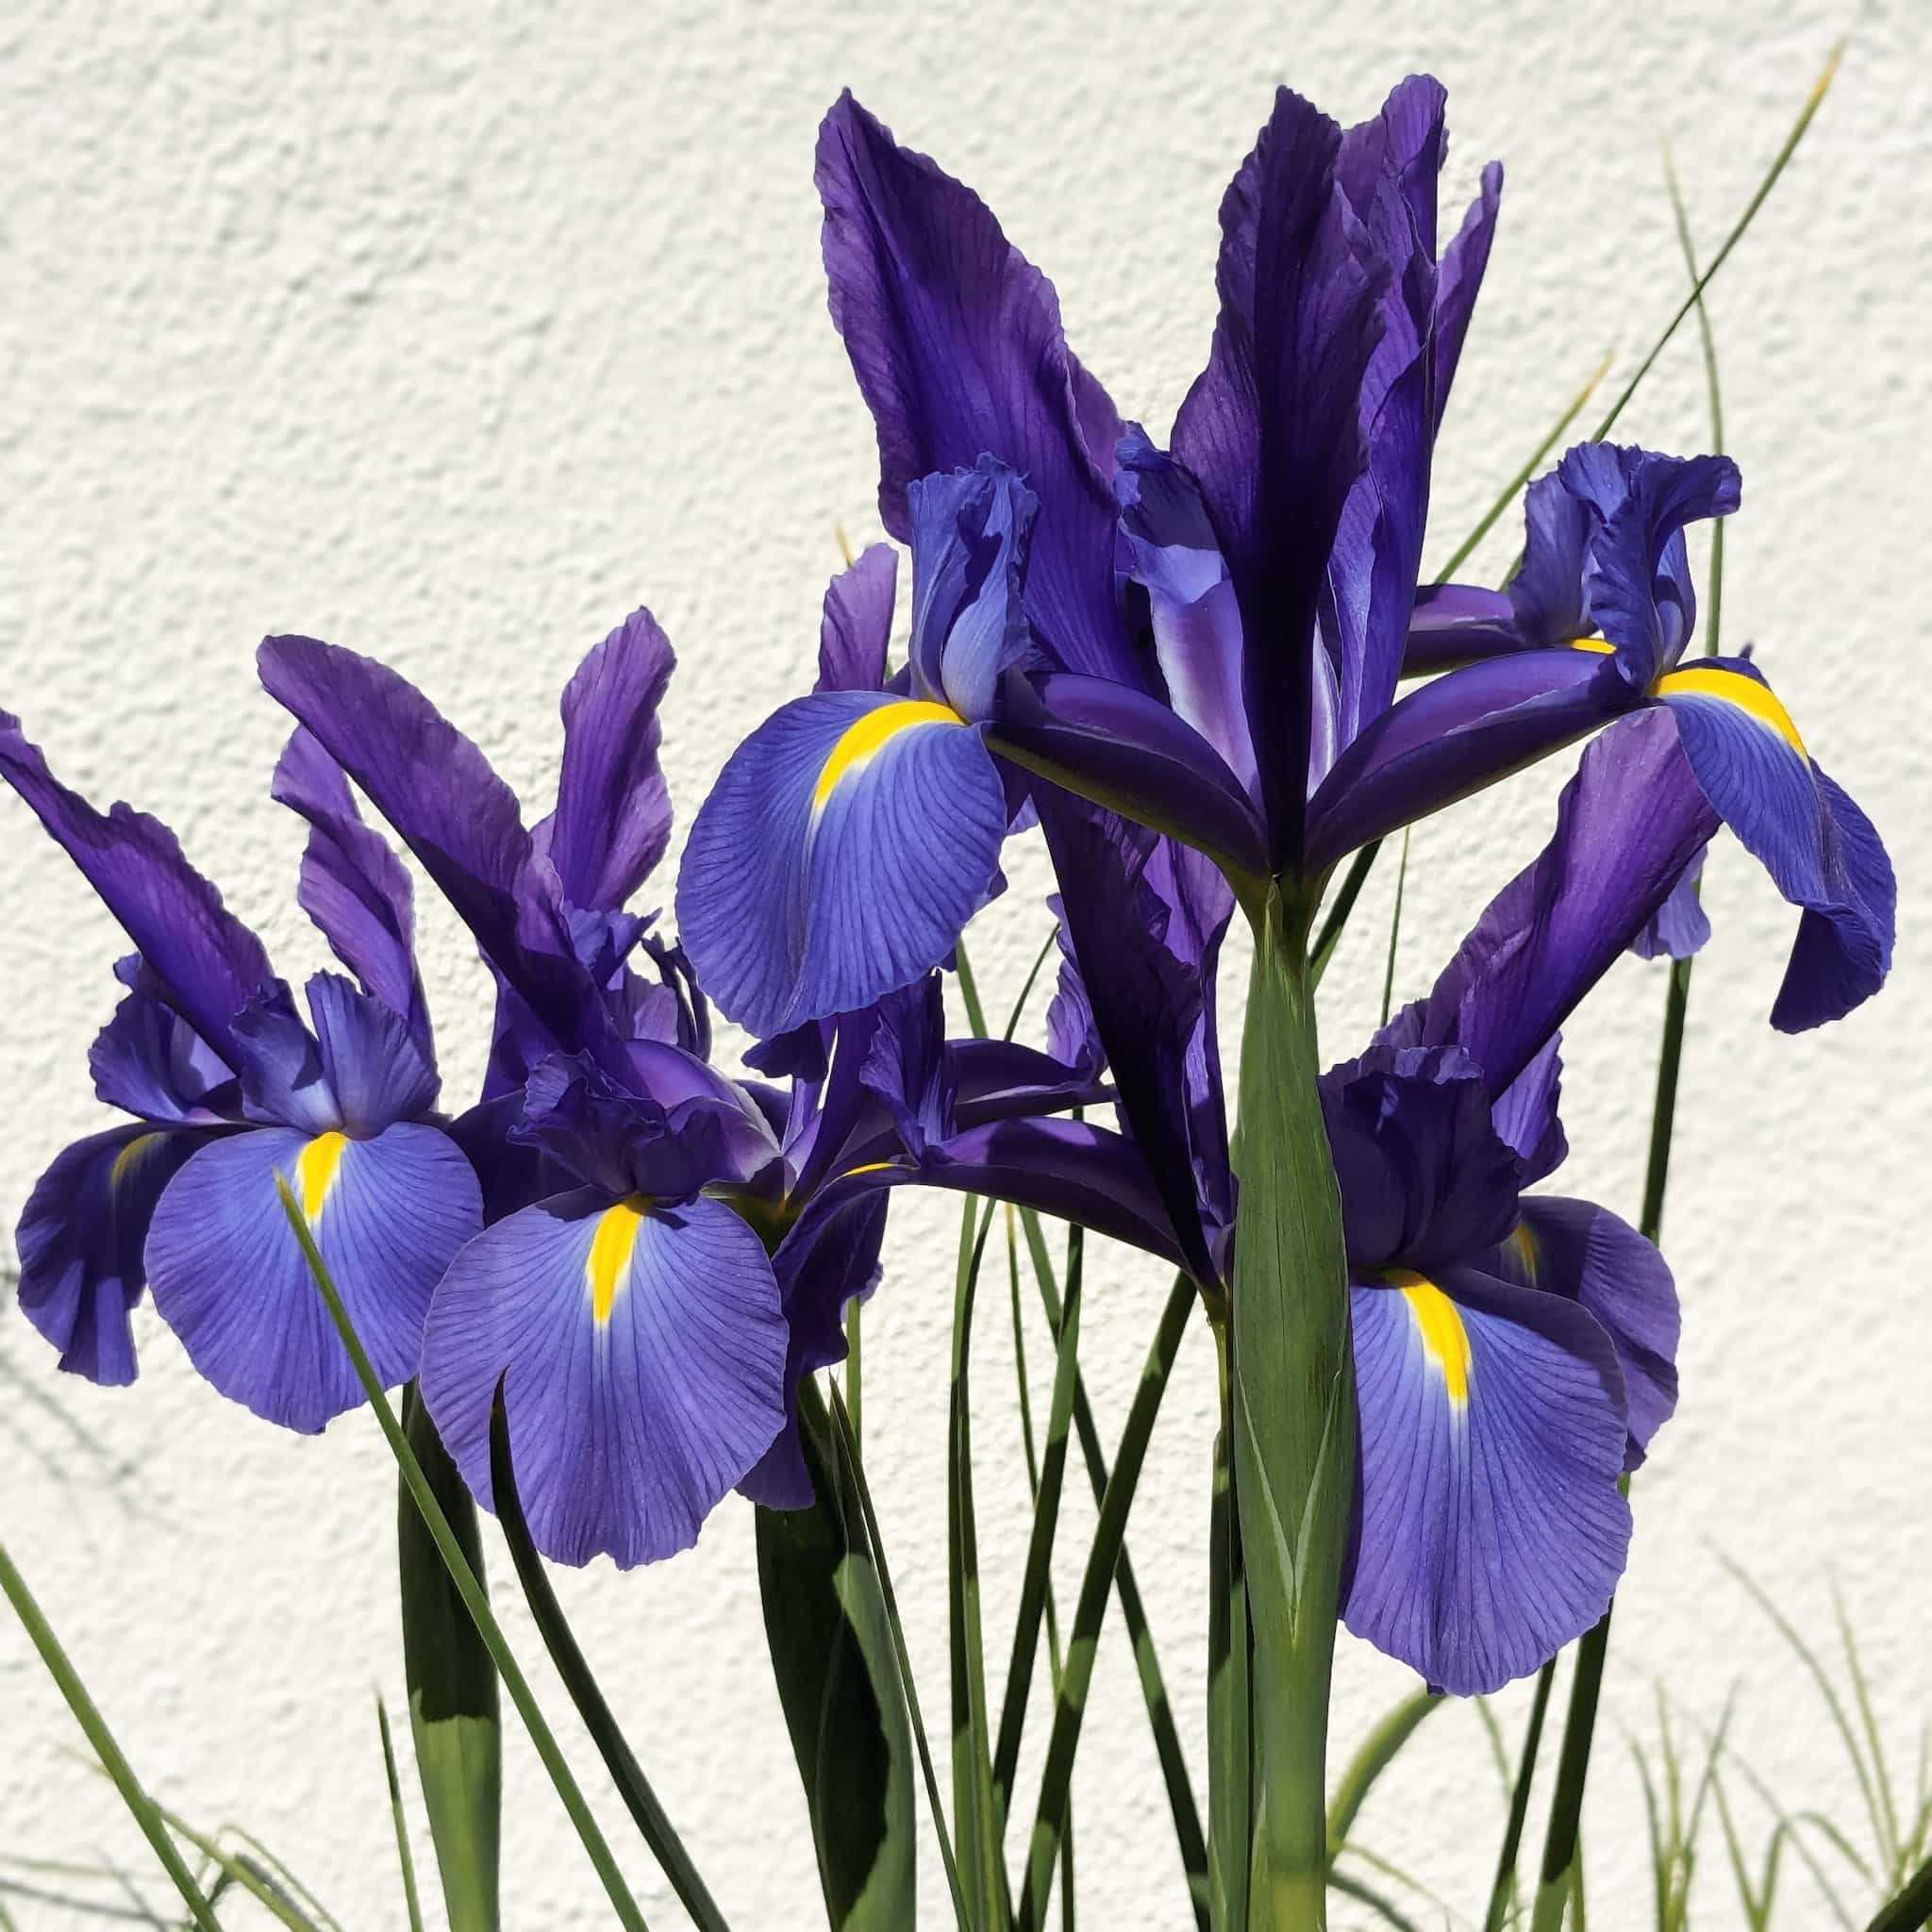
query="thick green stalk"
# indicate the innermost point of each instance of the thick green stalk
(1293, 1421)
(453, 1712)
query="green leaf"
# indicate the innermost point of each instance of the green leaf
(620, 1760)
(1572, 1769)
(1230, 1757)
(1910, 1909)
(1503, 1892)
(1294, 1415)
(475, 1600)
(838, 1682)
(395, 1812)
(146, 1813)
(455, 1716)
(1372, 1756)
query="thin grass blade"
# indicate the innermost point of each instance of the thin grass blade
(1372, 1756)
(1503, 1892)
(395, 1811)
(1231, 1751)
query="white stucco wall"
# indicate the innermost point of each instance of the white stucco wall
(452, 334)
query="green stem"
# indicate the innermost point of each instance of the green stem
(1572, 1768)
(1293, 1416)
(87, 1714)
(1230, 1796)
(395, 1810)
(1504, 1887)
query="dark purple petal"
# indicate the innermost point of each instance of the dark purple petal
(80, 1238)
(1586, 1254)
(956, 345)
(1425, 1182)
(1678, 928)
(640, 1352)
(1270, 427)
(353, 886)
(612, 819)
(1491, 1530)
(857, 623)
(283, 1081)
(203, 962)
(1458, 623)
(229, 1277)
(970, 531)
(374, 1064)
(839, 857)
(454, 813)
(1843, 953)
(908, 1067)
(1627, 825)
(1459, 279)
(1455, 735)
(148, 1061)
(1124, 750)
(1524, 1115)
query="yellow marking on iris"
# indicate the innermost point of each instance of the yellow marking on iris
(1602, 645)
(130, 1156)
(1445, 1341)
(1522, 1245)
(1757, 700)
(865, 737)
(611, 1249)
(315, 1172)
(870, 1167)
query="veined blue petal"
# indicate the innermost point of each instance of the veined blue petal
(206, 962)
(1491, 1530)
(612, 819)
(80, 1238)
(857, 623)
(1819, 849)
(1679, 927)
(353, 886)
(228, 1275)
(376, 1067)
(839, 855)
(641, 1355)
(1586, 1254)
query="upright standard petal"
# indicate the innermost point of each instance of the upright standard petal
(228, 1275)
(970, 531)
(857, 623)
(353, 886)
(374, 1064)
(957, 343)
(839, 857)
(80, 1238)
(1492, 1436)
(1820, 850)
(204, 961)
(612, 819)
(148, 1061)
(640, 1351)
(1459, 279)
(1586, 1255)
(1270, 427)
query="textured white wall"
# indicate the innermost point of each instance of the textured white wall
(452, 333)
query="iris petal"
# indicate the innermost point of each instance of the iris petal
(642, 1356)
(857, 623)
(1492, 1529)
(839, 857)
(229, 1277)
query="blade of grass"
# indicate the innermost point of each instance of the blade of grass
(1502, 1892)
(1097, 1585)
(1230, 1727)
(146, 1813)
(474, 1601)
(395, 1812)
(1383, 1907)
(1572, 1768)
(841, 1423)
(1395, 926)
(1336, 919)
(975, 1811)
(1714, 612)
(573, 1668)
(239, 1870)
(1910, 1909)
(1372, 1756)
(1884, 1824)
(1795, 1838)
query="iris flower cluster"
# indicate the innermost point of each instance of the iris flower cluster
(1186, 666)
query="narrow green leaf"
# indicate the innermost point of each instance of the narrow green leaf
(1384, 1907)
(573, 1669)
(1713, 614)
(251, 1877)
(146, 1814)
(1230, 1754)
(1395, 927)
(455, 1715)
(848, 1446)
(395, 1812)
(1911, 1909)
(474, 1599)
(832, 1653)
(1884, 1824)
(1352, 881)
(1572, 1769)
(1293, 1424)
(1372, 1756)
(1097, 1585)
(1503, 1892)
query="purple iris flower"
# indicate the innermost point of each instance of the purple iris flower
(1605, 577)
(228, 1089)
(669, 1250)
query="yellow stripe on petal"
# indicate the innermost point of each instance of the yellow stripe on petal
(315, 1172)
(611, 1249)
(1601, 645)
(129, 1157)
(1522, 1245)
(867, 736)
(1755, 700)
(1438, 1321)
